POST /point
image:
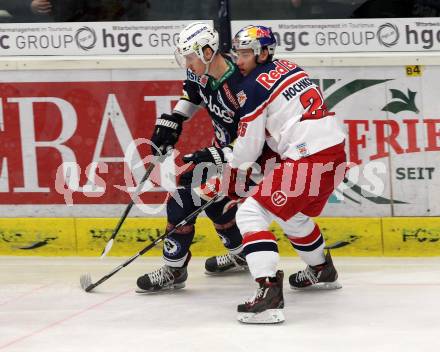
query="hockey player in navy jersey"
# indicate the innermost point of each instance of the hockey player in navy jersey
(211, 78)
(284, 110)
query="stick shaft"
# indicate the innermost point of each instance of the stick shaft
(154, 243)
(150, 168)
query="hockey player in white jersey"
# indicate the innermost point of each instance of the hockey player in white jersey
(284, 110)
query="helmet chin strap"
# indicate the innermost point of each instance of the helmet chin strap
(257, 56)
(207, 67)
(208, 63)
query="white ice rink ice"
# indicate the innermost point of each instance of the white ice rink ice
(384, 305)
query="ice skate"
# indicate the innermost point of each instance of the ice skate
(225, 264)
(266, 307)
(165, 278)
(324, 277)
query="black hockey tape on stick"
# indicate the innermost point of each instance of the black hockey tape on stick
(86, 279)
(337, 244)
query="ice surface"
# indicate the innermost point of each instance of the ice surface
(384, 305)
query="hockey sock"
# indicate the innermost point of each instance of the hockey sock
(261, 252)
(230, 236)
(310, 248)
(176, 246)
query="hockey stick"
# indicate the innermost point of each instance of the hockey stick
(150, 168)
(337, 244)
(86, 279)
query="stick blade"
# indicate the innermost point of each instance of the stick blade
(86, 282)
(337, 244)
(107, 248)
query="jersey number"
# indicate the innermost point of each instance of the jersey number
(313, 103)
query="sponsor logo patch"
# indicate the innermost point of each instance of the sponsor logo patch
(302, 149)
(279, 198)
(230, 96)
(172, 247)
(191, 76)
(241, 96)
(203, 81)
(282, 68)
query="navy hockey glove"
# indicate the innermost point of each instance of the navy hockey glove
(210, 155)
(166, 132)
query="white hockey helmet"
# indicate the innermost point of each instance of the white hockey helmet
(255, 38)
(193, 39)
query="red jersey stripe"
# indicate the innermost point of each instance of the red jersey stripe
(258, 236)
(309, 239)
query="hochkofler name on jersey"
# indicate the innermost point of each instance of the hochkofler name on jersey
(297, 87)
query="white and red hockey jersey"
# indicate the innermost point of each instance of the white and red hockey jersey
(282, 107)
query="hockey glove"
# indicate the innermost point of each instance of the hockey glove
(166, 132)
(209, 189)
(210, 155)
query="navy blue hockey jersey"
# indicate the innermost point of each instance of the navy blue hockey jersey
(219, 98)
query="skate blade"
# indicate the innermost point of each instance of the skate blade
(319, 286)
(166, 289)
(269, 316)
(227, 272)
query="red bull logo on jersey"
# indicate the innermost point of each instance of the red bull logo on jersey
(282, 68)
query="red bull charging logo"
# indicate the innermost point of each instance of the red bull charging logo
(258, 32)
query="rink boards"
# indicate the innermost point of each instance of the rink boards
(401, 236)
(68, 155)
